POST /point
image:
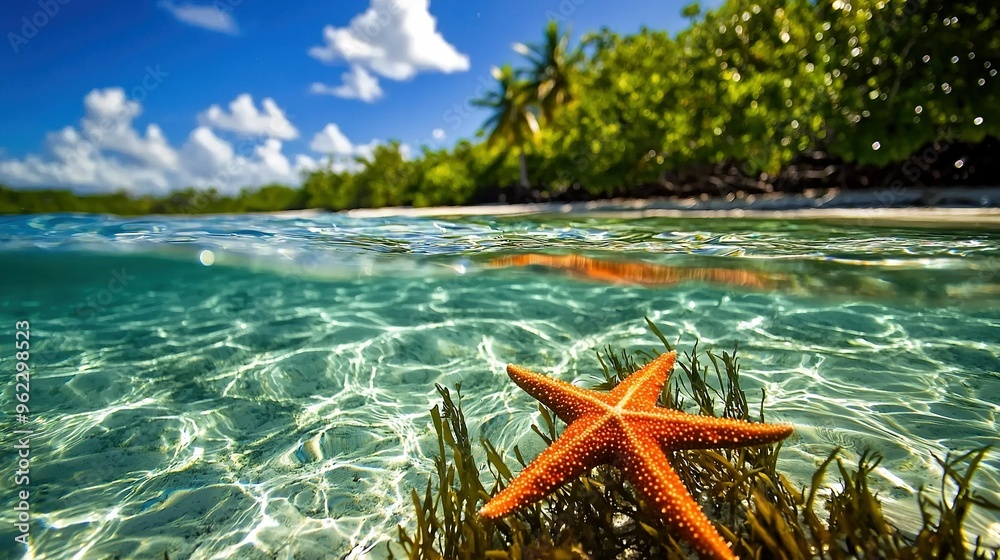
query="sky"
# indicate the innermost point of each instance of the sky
(151, 96)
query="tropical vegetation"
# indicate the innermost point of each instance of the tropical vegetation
(755, 96)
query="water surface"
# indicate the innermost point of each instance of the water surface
(258, 386)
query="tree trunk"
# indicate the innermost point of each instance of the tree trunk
(524, 187)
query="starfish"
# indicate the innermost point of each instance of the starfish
(626, 429)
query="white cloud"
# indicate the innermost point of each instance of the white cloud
(205, 153)
(358, 84)
(272, 159)
(393, 38)
(244, 118)
(342, 153)
(107, 123)
(210, 17)
(106, 153)
(438, 134)
(76, 162)
(331, 140)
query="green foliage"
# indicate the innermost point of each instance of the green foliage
(753, 84)
(692, 10)
(907, 73)
(268, 198)
(599, 516)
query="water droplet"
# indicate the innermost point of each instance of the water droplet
(977, 121)
(918, 109)
(876, 145)
(926, 58)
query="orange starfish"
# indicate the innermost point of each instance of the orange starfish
(625, 428)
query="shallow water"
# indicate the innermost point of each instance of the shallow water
(259, 385)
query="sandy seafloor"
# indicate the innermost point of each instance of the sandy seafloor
(274, 404)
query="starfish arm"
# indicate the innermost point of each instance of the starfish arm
(568, 401)
(642, 389)
(679, 430)
(575, 452)
(649, 471)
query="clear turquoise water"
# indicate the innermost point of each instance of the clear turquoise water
(259, 386)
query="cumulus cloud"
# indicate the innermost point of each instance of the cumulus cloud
(395, 39)
(342, 153)
(77, 162)
(204, 153)
(210, 17)
(244, 118)
(331, 140)
(106, 153)
(358, 84)
(107, 123)
(438, 134)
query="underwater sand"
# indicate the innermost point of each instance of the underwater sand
(259, 386)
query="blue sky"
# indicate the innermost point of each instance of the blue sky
(149, 96)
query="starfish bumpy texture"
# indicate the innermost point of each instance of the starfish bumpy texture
(626, 429)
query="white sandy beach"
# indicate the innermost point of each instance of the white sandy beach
(976, 207)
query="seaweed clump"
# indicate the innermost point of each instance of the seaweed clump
(753, 506)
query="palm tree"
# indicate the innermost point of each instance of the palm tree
(552, 63)
(513, 120)
(518, 103)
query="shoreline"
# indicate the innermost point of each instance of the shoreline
(978, 207)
